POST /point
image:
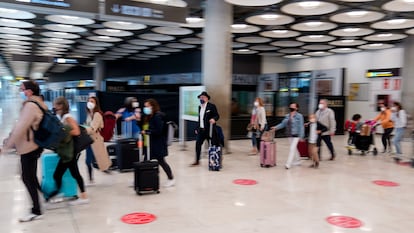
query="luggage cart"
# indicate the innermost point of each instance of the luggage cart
(365, 143)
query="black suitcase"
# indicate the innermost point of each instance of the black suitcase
(127, 153)
(147, 178)
(112, 155)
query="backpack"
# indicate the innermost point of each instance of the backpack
(50, 132)
(109, 120)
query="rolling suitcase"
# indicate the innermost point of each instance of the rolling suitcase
(69, 187)
(112, 156)
(146, 175)
(214, 153)
(268, 150)
(127, 153)
(303, 148)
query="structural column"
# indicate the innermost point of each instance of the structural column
(217, 60)
(99, 73)
(408, 76)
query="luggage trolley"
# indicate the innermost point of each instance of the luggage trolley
(364, 139)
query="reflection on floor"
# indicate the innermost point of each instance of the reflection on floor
(296, 200)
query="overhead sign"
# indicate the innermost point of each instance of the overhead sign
(91, 6)
(143, 10)
(383, 73)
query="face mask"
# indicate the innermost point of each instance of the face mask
(394, 109)
(135, 104)
(321, 106)
(90, 105)
(292, 109)
(256, 104)
(23, 96)
(382, 109)
(202, 101)
(147, 110)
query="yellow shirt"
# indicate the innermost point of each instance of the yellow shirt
(385, 118)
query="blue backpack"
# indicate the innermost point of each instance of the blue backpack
(50, 132)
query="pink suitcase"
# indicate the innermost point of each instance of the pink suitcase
(267, 154)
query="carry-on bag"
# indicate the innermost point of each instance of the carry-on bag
(268, 150)
(127, 152)
(69, 187)
(146, 175)
(214, 153)
(303, 148)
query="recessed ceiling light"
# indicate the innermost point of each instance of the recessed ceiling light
(65, 26)
(104, 37)
(313, 24)
(243, 50)
(68, 17)
(269, 16)
(351, 29)
(280, 31)
(376, 45)
(357, 13)
(396, 21)
(385, 35)
(309, 4)
(9, 11)
(316, 36)
(56, 39)
(348, 41)
(193, 20)
(239, 26)
(113, 30)
(344, 49)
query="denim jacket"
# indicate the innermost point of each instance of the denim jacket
(297, 125)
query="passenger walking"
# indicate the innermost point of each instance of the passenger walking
(131, 115)
(385, 119)
(153, 125)
(399, 117)
(21, 138)
(61, 106)
(315, 130)
(326, 116)
(207, 115)
(259, 123)
(294, 124)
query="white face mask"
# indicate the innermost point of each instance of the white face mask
(321, 106)
(90, 105)
(256, 104)
(394, 109)
(135, 104)
(382, 109)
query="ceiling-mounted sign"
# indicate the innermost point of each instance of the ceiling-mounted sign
(383, 73)
(143, 10)
(91, 6)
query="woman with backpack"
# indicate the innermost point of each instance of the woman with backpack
(97, 151)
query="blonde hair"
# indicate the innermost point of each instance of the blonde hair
(260, 101)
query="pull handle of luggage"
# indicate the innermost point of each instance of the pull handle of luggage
(210, 133)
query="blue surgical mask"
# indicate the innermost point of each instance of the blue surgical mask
(202, 101)
(147, 110)
(23, 96)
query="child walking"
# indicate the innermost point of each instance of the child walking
(315, 130)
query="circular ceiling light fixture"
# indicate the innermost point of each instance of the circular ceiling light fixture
(68, 19)
(399, 6)
(244, 28)
(15, 23)
(253, 2)
(270, 19)
(357, 16)
(351, 31)
(124, 25)
(308, 8)
(15, 14)
(394, 24)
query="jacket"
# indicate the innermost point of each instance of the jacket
(297, 128)
(210, 113)
(400, 119)
(261, 118)
(21, 137)
(327, 118)
(157, 136)
(385, 118)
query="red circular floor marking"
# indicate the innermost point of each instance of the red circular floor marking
(138, 218)
(245, 182)
(344, 221)
(385, 183)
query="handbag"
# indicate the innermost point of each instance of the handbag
(82, 141)
(251, 127)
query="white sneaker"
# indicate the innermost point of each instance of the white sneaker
(169, 183)
(297, 163)
(57, 199)
(30, 217)
(79, 201)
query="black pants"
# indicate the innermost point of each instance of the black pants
(162, 163)
(29, 176)
(328, 142)
(386, 138)
(74, 170)
(200, 138)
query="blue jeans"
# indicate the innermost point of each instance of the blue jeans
(399, 132)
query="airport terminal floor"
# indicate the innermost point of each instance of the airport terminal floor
(373, 191)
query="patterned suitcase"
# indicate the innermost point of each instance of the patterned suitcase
(214, 158)
(69, 187)
(267, 154)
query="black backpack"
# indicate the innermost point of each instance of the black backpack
(50, 132)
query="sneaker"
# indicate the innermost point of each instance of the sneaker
(56, 199)
(169, 183)
(30, 217)
(79, 201)
(287, 167)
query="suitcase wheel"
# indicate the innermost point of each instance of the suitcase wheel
(375, 151)
(349, 152)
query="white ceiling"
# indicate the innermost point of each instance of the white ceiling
(289, 28)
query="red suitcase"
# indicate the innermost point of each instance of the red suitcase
(303, 148)
(267, 154)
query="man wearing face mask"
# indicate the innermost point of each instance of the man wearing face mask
(386, 122)
(22, 139)
(207, 115)
(326, 117)
(295, 129)
(131, 115)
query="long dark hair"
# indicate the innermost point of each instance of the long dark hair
(155, 108)
(97, 105)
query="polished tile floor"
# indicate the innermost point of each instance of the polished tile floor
(298, 200)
